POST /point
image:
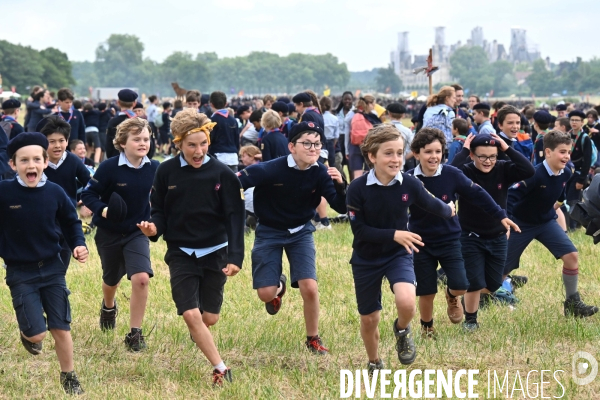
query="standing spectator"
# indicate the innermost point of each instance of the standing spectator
(440, 112)
(344, 112)
(332, 129)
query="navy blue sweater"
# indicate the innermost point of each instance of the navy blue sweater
(15, 127)
(166, 126)
(274, 145)
(286, 197)
(4, 166)
(377, 212)
(496, 183)
(111, 132)
(91, 118)
(71, 171)
(447, 186)
(199, 207)
(225, 136)
(36, 115)
(77, 125)
(532, 200)
(313, 115)
(103, 119)
(133, 185)
(28, 222)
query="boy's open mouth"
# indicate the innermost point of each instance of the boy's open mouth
(31, 176)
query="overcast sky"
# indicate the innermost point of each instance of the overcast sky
(359, 33)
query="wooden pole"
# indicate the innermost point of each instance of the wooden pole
(430, 77)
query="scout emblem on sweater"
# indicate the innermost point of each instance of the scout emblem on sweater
(217, 187)
(405, 197)
(499, 186)
(444, 197)
(351, 215)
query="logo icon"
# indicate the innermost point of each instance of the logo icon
(584, 363)
(492, 142)
(351, 215)
(311, 125)
(217, 186)
(444, 197)
(499, 186)
(405, 197)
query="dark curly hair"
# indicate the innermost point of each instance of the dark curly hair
(427, 136)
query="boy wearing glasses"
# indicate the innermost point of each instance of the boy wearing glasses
(287, 191)
(581, 157)
(483, 241)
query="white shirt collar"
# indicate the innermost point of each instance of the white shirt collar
(550, 169)
(503, 135)
(59, 163)
(184, 163)
(124, 161)
(292, 163)
(41, 183)
(419, 171)
(372, 179)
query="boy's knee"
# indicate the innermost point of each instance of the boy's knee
(210, 319)
(141, 280)
(370, 320)
(405, 306)
(267, 294)
(571, 260)
(308, 289)
(192, 317)
(36, 338)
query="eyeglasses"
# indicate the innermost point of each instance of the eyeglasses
(485, 158)
(308, 145)
(575, 120)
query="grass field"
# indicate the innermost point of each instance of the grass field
(266, 352)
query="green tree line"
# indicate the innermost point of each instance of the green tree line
(120, 62)
(23, 67)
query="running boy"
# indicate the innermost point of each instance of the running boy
(532, 203)
(442, 237)
(123, 249)
(378, 205)
(287, 191)
(68, 113)
(483, 241)
(10, 115)
(198, 206)
(225, 137)
(30, 208)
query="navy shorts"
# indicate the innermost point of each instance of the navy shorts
(93, 139)
(484, 261)
(38, 289)
(550, 234)
(331, 150)
(368, 279)
(448, 254)
(122, 255)
(197, 282)
(267, 253)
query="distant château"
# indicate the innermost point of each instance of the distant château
(404, 63)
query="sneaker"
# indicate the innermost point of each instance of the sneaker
(405, 345)
(341, 218)
(108, 316)
(274, 305)
(315, 345)
(428, 333)
(454, 309)
(470, 326)
(219, 377)
(87, 228)
(518, 281)
(33, 348)
(134, 340)
(371, 367)
(70, 383)
(577, 308)
(319, 226)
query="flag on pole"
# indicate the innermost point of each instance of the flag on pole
(326, 92)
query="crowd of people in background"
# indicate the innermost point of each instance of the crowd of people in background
(216, 167)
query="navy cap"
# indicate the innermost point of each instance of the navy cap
(243, 108)
(284, 99)
(305, 126)
(117, 208)
(301, 98)
(26, 139)
(396, 108)
(127, 95)
(11, 103)
(204, 99)
(291, 108)
(101, 106)
(561, 107)
(481, 106)
(542, 117)
(138, 105)
(577, 113)
(280, 106)
(484, 139)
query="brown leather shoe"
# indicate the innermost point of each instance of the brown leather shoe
(455, 310)
(428, 333)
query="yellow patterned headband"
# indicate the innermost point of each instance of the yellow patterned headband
(206, 128)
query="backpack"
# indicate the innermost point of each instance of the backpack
(594, 148)
(524, 144)
(158, 121)
(6, 126)
(289, 123)
(440, 121)
(359, 128)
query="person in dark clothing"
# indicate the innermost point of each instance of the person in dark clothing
(37, 109)
(225, 137)
(581, 157)
(9, 118)
(273, 143)
(483, 241)
(198, 207)
(70, 114)
(165, 129)
(91, 116)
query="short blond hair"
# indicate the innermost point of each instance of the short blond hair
(251, 150)
(270, 120)
(187, 120)
(131, 126)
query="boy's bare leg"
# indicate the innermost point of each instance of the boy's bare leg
(139, 298)
(64, 349)
(405, 296)
(109, 293)
(472, 301)
(426, 307)
(310, 295)
(202, 336)
(369, 332)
